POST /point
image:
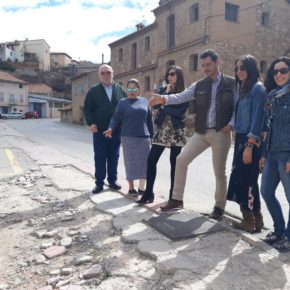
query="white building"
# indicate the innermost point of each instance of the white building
(6, 54)
(29, 51)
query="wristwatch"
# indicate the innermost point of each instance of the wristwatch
(249, 145)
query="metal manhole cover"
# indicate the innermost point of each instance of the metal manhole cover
(179, 226)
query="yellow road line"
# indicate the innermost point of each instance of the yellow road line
(14, 164)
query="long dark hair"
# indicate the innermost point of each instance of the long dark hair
(251, 66)
(180, 86)
(270, 83)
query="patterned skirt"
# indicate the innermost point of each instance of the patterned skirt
(135, 151)
(167, 136)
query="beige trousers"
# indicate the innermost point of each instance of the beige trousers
(220, 143)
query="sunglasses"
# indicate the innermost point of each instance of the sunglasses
(132, 90)
(172, 74)
(282, 71)
(106, 73)
(241, 68)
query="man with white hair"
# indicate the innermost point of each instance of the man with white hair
(100, 103)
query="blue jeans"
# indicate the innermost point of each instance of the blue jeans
(107, 151)
(274, 172)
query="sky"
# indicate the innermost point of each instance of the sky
(81, 28)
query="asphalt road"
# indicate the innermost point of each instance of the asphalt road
(76, 141)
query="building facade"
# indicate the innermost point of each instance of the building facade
(184, 28)
(80, 86)
(35, 53)
(6, 54)
(47, 106)
(13, 94)
(59, 59)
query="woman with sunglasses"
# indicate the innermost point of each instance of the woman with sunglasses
(169, 132)
(276, 156)
(134, 117)
(243, 186)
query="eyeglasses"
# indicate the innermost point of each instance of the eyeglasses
(172, 74)
(106, 73)
(132, 90)
(241, 68)
(282, 71)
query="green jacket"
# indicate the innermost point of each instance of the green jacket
(97, 107)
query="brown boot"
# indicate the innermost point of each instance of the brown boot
(259, 223)
(248, 222)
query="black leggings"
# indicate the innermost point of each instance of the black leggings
(154, 155)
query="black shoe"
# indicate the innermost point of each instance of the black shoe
(97, 189)
(115, 186)
(145, 199)
(273, 238)
(282, 245)
(217, 213)
(132, 192)
(141, 192)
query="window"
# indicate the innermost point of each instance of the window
(147, 43)
(1, 97)
(194, 13)
(21, 99)
(120, 54)
(147, 84)
(231, 12)
(193, 62)
(263, 67)
(170, 31)
(170, 63)
(265, 18)
(134, 55)
(20, 86)
(12, 99)
(82, 90)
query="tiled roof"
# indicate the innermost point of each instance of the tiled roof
(39, 89)
(6, 77)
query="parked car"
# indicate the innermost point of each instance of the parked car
(13, 115)
(31, 115)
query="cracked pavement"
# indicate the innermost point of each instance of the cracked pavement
(104, 241)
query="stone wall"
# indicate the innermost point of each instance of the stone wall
(248, 35)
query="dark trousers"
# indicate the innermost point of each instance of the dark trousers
(154, 155)
(107, 151)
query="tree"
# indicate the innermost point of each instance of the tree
(7, 66)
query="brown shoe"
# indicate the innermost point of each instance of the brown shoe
(172, 204)
(259, 223)
(217, 213)
(248, 222)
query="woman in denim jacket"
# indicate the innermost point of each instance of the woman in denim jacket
(169, 132)
(276, 156)
(243, 185)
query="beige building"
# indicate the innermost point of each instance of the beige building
(34, 53)
(13, 94)
(59, 59)
(184, 28)
(80, 86)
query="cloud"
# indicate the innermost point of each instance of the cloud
(81, 28)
